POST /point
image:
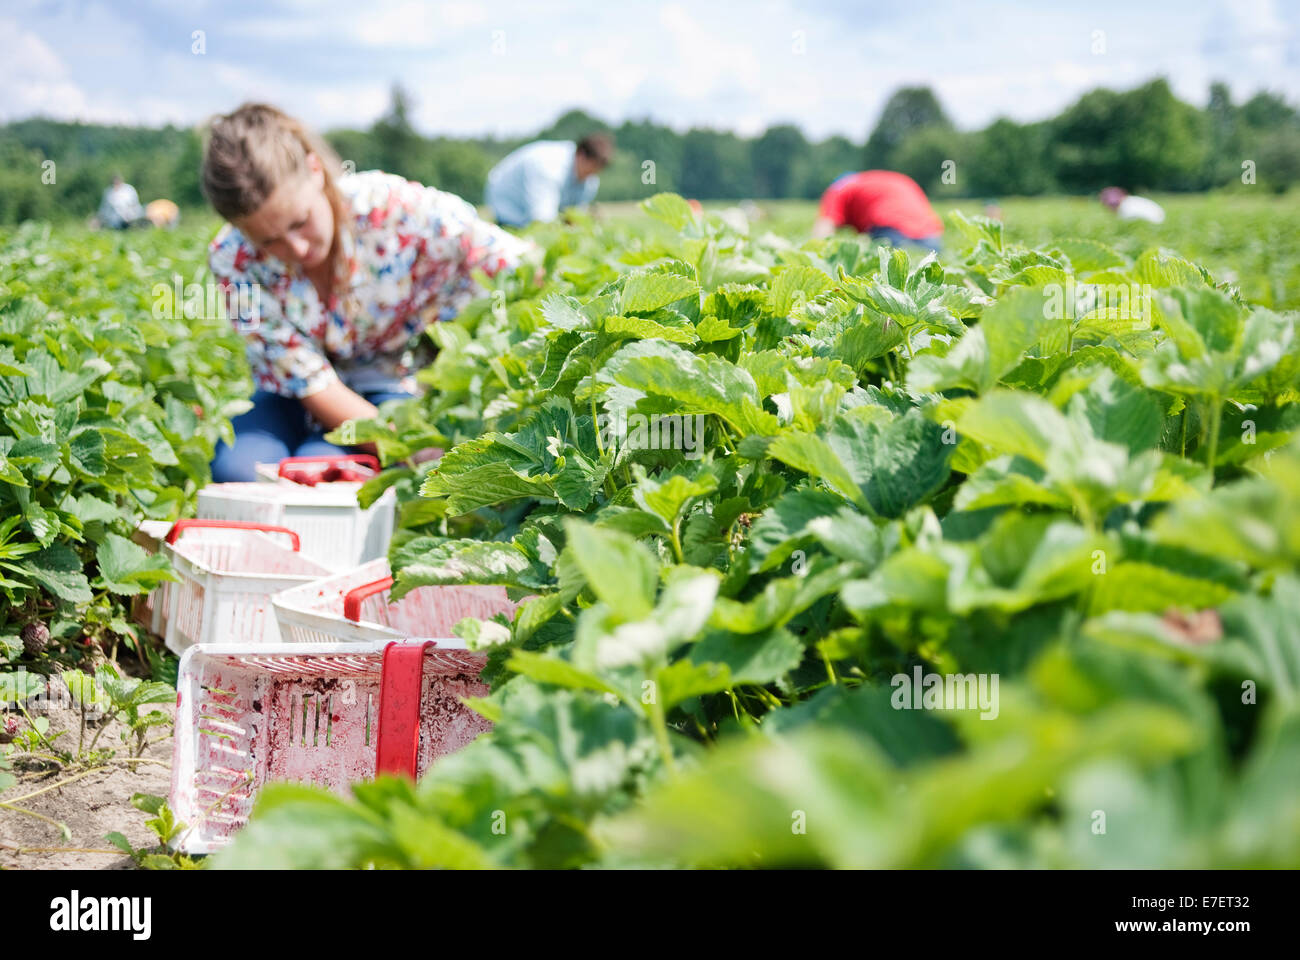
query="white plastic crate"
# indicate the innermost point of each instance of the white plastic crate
(335, 530)
(227, 577)
(149, 609)
(353, 607)
(327, 716)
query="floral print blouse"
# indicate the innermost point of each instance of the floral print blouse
(406, 262)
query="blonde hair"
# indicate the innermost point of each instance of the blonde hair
(253, 150)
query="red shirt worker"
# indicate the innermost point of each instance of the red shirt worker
(887, 205)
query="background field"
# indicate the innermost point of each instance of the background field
(1252, 240)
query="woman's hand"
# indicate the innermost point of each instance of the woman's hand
(338, 403)
(425, 455)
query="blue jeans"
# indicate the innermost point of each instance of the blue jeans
(276, 427)
(900, 239)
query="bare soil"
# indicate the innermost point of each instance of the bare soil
(90, 801)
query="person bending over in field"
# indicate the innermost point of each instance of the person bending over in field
(330, 279)
(120, 209)
(887, 205)
(1130, 207)
(162, 213)
(537, 181)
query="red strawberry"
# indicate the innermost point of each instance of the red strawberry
(8, 729)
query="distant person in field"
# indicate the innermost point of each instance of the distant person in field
(162, 213)
(537, 181)
(120, 207)
(1130, 207)
(347, 271)
(887, 205)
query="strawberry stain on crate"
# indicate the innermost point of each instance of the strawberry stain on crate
(305, 714)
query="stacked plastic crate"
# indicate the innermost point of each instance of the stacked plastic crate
(296, 662)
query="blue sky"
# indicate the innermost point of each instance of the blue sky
(510, 68)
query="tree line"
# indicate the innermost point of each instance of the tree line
(1141, 139)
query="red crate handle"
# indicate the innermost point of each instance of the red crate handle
(401, 685)
(180, 526)
(364, 459)
(352, 599)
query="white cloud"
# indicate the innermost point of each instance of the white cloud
(406, 24)
(463, 14)
(705, 60)
(1251, 45)
(727, 65)
(337, 108)
(33, 79)
(614, 67)
(288, 30)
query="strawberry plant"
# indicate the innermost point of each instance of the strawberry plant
(755, 489)
(113, 398)
(111, 696)
(164, 825)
